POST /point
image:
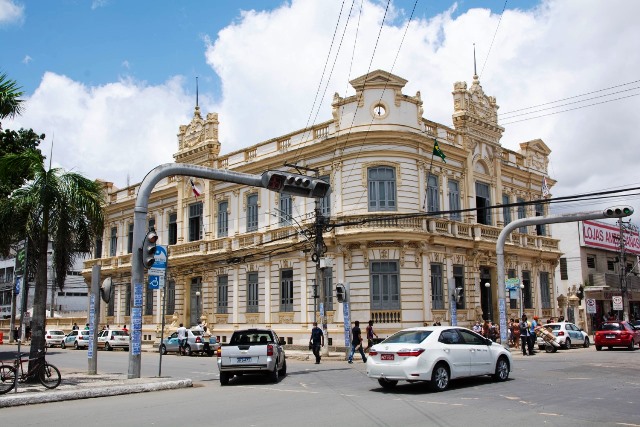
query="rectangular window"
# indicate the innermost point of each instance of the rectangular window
(458, 282)
(545, 292)
(114, 241)
(433, 202)
(286, 290)
(252, 292)
(98, 250)
(223, 219)
(483, 203)
(112, 304)
(513, 296)
(223, 294)
(564, 275)
(325, 202)
(148, 302)
(611, 265)
(522, 213)
(540, 228)
(195, 222)
(130, 240)
(252, 212)
(454, 199)
(437, 295)
(286, 210)
(127, 302)
(382, 188)
(170, 298)
(173, 228)
(591, 261)
(526, 281)
(328, 289)
(506, 210)
(151, 224)
(385, 285)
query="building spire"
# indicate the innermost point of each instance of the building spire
(197, 88)
(475, 72)
(197, 109)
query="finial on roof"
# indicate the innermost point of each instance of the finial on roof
(475, 72)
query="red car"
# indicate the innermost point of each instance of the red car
(617, 334)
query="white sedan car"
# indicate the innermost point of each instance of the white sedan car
(436, 354)
(567, 334)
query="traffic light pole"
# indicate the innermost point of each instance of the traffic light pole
(616, 212)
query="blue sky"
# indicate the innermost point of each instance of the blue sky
(111, 81)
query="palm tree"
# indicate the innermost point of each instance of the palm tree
(60, 206)
(10, 93)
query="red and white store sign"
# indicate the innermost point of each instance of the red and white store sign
(605, 236)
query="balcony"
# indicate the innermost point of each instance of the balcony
(386, 316)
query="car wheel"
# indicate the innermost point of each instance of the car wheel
(126, 349)
(163, 349)
(62, 345)
(274, 375)
(283, 370)
(75, 345)
(550, 348)
(440, 377)
(587, 343)
(224, 378)
(187, 350)
(107, 346)
(388, 384)
(598, 347)
(567, 344)
(610, 347)
(502, 369)
(630, 346)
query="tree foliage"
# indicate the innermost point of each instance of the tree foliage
(15, 142)
(10, 93)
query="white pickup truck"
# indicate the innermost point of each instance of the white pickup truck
(252, 351)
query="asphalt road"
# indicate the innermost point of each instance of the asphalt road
(579, 387)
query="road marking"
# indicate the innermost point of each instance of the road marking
(578, 378)
(549, 413)
(280, 389)
(627, 424)
(510, 397)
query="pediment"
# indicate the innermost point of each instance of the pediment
(378, 79)
(536, 145)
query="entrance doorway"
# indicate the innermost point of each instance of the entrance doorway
(486, 293)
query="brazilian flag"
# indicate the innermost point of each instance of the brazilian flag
(437, 151)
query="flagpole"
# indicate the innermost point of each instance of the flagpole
(424, 205)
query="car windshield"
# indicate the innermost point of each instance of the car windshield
(56, 333)
(553, 327)
(197, 333)
(410, 337)
(612, 327)
(119, 333)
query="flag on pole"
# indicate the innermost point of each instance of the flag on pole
(194, 187)
(545, 187)
(437, 151)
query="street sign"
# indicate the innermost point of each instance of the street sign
(160, 264)
(18, 280)
(591, 306)
(617, 302)
(512, 283)
(154, 282)
(347, 324)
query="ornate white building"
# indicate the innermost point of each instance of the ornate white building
(418, 226)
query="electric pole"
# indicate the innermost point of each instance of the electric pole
(623, 269)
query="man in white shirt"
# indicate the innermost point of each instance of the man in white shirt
(182, 338)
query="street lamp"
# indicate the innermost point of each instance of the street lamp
(521, 299)
(198, 306)
(488, 286)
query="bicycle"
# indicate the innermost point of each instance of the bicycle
(46, 373)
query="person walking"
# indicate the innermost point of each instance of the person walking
(370, 334)
(525, 331)
(533, 336)
(75, 326)
(316, 341)
(182, 339)
(356, 342)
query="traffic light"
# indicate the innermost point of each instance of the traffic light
(341, 293)
(618, 211)
(580, 293)
(295, 184)
(149, 249)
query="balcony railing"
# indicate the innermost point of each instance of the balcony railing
(386, 316)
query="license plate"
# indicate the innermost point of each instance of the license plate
(244, 359)
(386, 357)
(610, 336)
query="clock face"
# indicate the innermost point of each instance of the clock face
(379, 110)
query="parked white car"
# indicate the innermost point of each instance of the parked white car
(436, 354)
(109, 339)
(567, 334)
(53, 337)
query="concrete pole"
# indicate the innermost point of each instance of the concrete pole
(617, 212)
(94, 318)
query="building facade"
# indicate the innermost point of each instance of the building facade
(594, 260)
(405, 227)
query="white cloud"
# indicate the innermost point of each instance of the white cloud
(11, 12)
(27, 59)
(111, 131)
(270, 64)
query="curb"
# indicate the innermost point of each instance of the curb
(115, 390)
